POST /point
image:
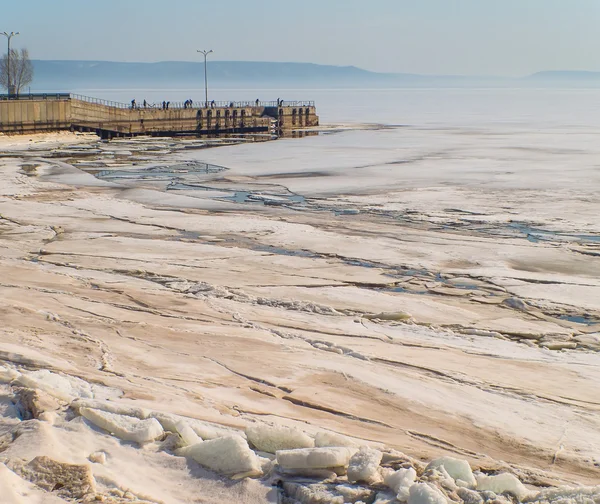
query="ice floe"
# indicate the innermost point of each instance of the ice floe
(124, 427)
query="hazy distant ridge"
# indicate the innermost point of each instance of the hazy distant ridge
(68, 74)
(565, 75)
(101, 72)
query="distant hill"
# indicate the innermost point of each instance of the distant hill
(68, 74)
(565, 75)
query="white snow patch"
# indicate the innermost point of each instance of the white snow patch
(364, 466)
(124, 427)
(270, 439)
(230, 456)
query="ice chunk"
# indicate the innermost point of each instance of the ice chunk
(32, 403)
(422, 493)
(110, 407)
(229, 455)
(71, 481)
(205, 430)
(314, 458)
(7, 374)
(502, 483)
(385, 498)
(458, 469)
(98, 457)
(567, 495)
(272, 438)
(364, 466)
(64, 387)
(325, 439)
(355, 494)
(441, 479)
(124, 427)
(311, 494)
(401, 481)
(470, 496)
(391, 316)
(188, 435)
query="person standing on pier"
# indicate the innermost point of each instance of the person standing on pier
(133, 104)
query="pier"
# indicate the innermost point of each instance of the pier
(42, 112)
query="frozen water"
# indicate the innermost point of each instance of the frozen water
(297, 293)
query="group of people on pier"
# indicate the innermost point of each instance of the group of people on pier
(188, 104)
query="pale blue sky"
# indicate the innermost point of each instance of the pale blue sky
(501, 37)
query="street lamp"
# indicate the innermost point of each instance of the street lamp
(206, 53)
(8, 37)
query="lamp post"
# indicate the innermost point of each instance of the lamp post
(206, 53)
(8, 37)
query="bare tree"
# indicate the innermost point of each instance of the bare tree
(20, 68)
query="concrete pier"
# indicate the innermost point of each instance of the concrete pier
(63, 111)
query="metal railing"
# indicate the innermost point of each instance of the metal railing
(193, 104)
(99, 101)
(36, 96)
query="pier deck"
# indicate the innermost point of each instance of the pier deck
(64, 111)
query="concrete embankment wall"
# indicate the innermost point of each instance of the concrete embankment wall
(29, 116)
(147, 121)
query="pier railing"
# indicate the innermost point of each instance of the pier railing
(172, 105)
(195, 104)
(36, 96)
(99, 101)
